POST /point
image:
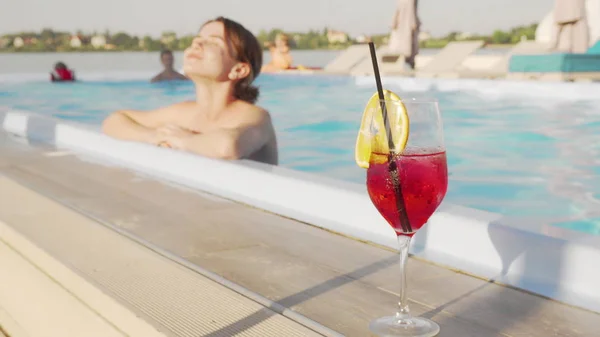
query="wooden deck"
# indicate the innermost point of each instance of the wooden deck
(335, 281)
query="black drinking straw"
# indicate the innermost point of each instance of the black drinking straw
(393, 168)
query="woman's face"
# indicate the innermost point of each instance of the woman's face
(281, 42)
(210, 55)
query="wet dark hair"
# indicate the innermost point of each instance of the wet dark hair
(60, 65)
(247, 50)
(165, 52)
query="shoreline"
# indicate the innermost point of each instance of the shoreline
(85, 51)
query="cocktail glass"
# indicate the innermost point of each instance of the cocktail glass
(407, 180)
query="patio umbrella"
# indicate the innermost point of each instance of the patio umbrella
(571, 32)
(404, 38)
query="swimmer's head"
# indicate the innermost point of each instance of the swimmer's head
(224, 50)
(166, 58)
(281, 39)
(60, 65)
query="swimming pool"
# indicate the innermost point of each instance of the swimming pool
(512, 148)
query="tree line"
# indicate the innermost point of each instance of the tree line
(50, 40)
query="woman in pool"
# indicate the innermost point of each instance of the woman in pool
(281, 59)
(223, 122)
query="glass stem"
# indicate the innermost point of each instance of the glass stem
(403, 312)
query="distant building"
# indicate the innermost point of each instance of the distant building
(75, 42)
(30, 41)
(167, 38)
(334, 36)
(98, 41)
(464, 36)
(18, 42)
(362, 39)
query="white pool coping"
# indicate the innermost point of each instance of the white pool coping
(543, 259)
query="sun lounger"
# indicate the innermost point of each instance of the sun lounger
(348, 59)
(446, 63)
(500, 68)
(389, 64)
(556, 66)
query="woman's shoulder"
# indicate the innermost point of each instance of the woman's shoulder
(250, 107)
(252, 111)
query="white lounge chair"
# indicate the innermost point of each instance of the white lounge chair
(389, 64)
(446, 63)
(500, 68)
(348, 59)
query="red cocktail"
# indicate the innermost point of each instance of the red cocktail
(423, 177)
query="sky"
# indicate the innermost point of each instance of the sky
(151, 17)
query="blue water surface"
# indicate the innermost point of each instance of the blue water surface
(533, 158)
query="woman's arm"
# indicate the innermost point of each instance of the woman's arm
(140, 125)
(228, 143)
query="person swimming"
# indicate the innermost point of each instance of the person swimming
(281, 58)
(223, 122)
(169, 73)
(61, 73)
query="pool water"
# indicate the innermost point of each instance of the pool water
(528, 154)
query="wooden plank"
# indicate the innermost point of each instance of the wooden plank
(179, 300)
(42, 306)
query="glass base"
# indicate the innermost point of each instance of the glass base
(391, 326)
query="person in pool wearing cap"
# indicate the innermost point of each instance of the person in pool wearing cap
(61, 73)
(169, 73)
(223, 121)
